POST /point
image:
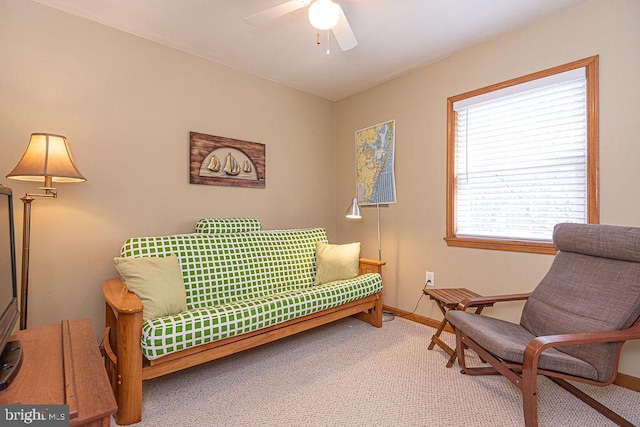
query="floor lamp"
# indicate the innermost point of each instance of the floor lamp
(47, 159)
(353, 212)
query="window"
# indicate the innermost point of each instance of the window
(522, 156)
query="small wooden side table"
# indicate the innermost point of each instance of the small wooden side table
(62, 365)
(448, 299)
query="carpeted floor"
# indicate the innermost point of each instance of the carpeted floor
(351, 374)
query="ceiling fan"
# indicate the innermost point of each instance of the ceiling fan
(323, 15)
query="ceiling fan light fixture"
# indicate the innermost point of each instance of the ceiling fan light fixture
(324, 14)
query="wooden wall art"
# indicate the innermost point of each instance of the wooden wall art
(216, 160)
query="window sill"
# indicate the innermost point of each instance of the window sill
(502, 245)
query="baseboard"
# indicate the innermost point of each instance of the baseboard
(622, 380)
(628, 381)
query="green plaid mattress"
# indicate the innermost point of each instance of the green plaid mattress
(223, 268)
(239, 282)
(191, 328)
(227, 225)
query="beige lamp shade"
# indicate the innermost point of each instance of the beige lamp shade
(47, 156)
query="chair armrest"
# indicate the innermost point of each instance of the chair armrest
(536, 346)
(119, 298)
(368, 265)
(475, 301)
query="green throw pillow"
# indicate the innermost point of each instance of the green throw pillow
(336, 262)
(157, 282)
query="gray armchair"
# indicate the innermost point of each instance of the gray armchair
(573, 324)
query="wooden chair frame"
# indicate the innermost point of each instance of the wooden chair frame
(524, 376)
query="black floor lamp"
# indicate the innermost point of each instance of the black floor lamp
(47, 159)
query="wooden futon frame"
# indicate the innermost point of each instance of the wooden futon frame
(127, 368)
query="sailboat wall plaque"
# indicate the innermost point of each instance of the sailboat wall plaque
(217, 160)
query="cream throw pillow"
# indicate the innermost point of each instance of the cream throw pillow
(336, 262)
(157, 282)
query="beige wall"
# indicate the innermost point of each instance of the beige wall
(412, 229)
(127, 106)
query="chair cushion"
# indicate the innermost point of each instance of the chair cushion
(587, 290)
(582, 293)
(508, 340)
(604, 241)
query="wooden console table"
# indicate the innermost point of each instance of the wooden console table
(448, 299)
(62, 365)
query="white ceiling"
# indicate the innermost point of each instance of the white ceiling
(395, 36)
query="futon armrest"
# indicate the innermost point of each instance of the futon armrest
(475, 301)
(368, 265)
(119, 298)
(123, 331)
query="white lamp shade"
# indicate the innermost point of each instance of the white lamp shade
(47, 155)
(324, 14)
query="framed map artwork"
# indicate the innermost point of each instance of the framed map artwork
(216, 160)
(375, 171)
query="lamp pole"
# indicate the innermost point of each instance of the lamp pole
(26, 237)
(26, 243)
(379, 241)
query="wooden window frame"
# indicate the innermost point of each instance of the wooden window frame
(593, 181)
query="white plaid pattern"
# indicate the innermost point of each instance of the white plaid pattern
(227, 225)
(240, 282)
(191, 328)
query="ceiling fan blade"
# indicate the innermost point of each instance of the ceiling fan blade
(267, 15)
(343, 32)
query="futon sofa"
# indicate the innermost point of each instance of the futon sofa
(227, 287)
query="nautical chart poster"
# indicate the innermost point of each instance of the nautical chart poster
(216, 160)
(375, 158)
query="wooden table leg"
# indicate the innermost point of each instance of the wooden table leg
(448, 299)
(435, 338)
(452, 360)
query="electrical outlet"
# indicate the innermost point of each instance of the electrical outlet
(430, 278)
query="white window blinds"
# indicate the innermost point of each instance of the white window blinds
(521, 159)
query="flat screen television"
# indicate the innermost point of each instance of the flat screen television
(10, 351)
